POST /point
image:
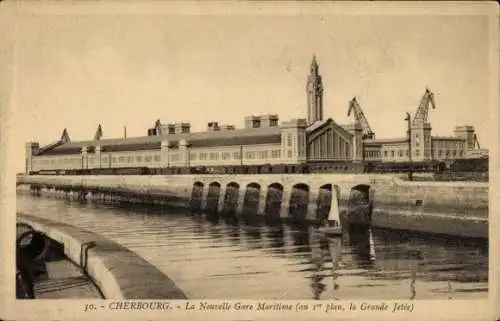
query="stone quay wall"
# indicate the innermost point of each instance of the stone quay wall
(118, 272)
(459, 208)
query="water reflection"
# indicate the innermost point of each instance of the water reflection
(276, 235)
(406, 265)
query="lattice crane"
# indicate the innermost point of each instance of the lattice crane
(476, 142)
(423, 109)
(360, 117)
(158, 127)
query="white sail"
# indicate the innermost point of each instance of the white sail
(334, 215)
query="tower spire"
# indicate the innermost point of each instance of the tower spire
(314, 90)
(314, 66)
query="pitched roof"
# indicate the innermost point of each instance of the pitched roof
(447, 138)
(247, 136)
(386, 141)
(316, 125)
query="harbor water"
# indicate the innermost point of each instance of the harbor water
(213, 258)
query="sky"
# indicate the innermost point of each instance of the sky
(78, 71)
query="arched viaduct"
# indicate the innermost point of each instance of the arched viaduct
(295, 197)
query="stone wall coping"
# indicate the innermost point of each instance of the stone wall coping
(118, 272)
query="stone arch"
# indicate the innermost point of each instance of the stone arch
(213, 197)
(252, 198)
(231, 198)
(324, 202)
(360, 205)
(274, 199)
(299, 202)
(196, 196)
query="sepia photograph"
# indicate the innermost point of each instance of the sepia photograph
(247, 159)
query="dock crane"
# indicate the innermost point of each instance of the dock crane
(423, 109)
(360, 117)
(476, 142)
(158, 127)
(98, 133)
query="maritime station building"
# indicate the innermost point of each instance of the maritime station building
(317, 141)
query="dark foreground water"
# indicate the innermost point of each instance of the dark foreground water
(217, 259)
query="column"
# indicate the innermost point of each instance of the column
(164, 153)
(183, 153)
(97, 158)
(204, 197)
(222, 197)
(262, 200)
(285, 202)
(241, 199)
(84, 158)
(312, 207)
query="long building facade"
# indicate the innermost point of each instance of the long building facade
(264, 140)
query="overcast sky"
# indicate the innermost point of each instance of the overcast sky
(76, 71)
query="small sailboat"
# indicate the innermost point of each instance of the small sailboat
(331, 226)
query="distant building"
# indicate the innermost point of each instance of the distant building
(263, 140)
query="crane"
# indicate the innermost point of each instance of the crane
(98, 133)
(423, 109)
(476, 142)
(158, 127)
(360, 117)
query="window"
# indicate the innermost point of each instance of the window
(454, 153)
(148, 158)
(400, 154)
(113, 159)
(417, 152)
(289, 140)
(249, 155)
(236, 155)
(214, 156)
(461, 153)
(289, 154)
(226, 156)
(385, 153)
(138, 159)
(192, 156)
(203, 156)
(392, 153)
(156, 158)
(174, 157)
(276, 153)
(121, 159)
(262, 154)
(130, 159)
(440, 153)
